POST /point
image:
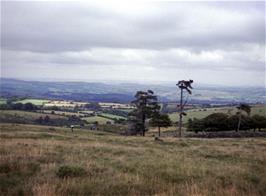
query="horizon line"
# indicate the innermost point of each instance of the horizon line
(125, 82)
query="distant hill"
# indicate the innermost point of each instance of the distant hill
(124, 92)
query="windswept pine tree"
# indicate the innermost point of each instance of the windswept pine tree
(183, 85)
(146, 107)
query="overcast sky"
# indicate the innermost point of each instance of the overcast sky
(212, 43)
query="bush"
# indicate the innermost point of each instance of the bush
(29, 107)
(216, 122)
(258, 122)
(73, 119)
(223, 122)
(196, 125)
(18, 106)
(70, 171)
(213, 122)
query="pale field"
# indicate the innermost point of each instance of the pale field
(34, 101)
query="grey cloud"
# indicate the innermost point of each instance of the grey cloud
(143, 41)
(170, 58)
(48, 26)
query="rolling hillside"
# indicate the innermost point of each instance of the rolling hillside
(124, 92)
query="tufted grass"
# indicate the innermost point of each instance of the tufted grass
(107, 164)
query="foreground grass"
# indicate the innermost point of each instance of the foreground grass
(38, 160)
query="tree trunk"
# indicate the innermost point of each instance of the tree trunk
(143, 118)
(159, 131)
(180, 125)
(143, 127)
(239, 123)
(180, 115)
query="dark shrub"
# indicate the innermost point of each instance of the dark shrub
(70, 171)
(29, 107)
(222, 122)
(196, 125)
(232, 122)
(17, 106)
(258, 122)
(52, 129)
(216, 122)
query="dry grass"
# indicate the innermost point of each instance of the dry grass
(118, 165)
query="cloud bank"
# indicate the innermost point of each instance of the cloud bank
(215, 43)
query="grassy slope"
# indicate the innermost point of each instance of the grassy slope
(29, 115)
(199, 113)
(119, 165)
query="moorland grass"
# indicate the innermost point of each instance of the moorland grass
(99, 163)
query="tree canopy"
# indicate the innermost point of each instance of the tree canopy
(160, 120)
(146, 107)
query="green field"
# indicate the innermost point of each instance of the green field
(112, 116)
(202, 113)
(99, 119)
(38, 160)
(125, 110)
(34, 101)
(2, 101)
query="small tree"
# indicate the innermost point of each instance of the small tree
(160, 120)
(92, 106)
(242, 108)
(29, 106)
(216, 122)
(146, 106)
(258, 122)
(46, 119)
(40, 120)
(196, 125)
(17, 106)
